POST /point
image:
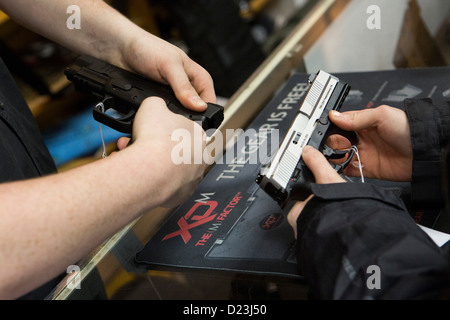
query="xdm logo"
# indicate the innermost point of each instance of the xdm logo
(189, 221)
(271, 221)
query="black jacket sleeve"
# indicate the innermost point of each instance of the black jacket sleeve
(430, 127)
(357, 241)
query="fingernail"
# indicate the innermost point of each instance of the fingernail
(198, 102)
(307, 148)
(336, 113)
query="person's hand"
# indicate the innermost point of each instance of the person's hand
(159, 60)
(153, 138)
(323, 173)
(384, 142)
(384, 148)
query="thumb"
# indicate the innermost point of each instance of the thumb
(152, 107)
(185, 91)
(150, 115)
(354, 120)
(322, 170)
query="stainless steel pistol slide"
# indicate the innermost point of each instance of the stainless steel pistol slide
(286, 177)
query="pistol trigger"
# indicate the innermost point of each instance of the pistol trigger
(331, 153)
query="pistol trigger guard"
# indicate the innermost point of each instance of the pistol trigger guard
(341, 166)
(351, 136)
(122, 123)
(334, 154)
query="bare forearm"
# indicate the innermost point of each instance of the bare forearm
(103, 31)
(50, 223)
(106, 34)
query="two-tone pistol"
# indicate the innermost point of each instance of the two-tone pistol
(286, 177)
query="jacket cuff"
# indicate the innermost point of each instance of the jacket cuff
(429, 129)
(337, 192)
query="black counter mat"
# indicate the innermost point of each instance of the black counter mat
(230, 224)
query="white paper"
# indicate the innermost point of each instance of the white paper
(440, 238)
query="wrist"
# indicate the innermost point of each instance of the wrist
(152, 170)
(114, 42)
(124, 52)
(138, 53)
(140, 172)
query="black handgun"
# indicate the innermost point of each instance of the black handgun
(287, 178)
(123, 92)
